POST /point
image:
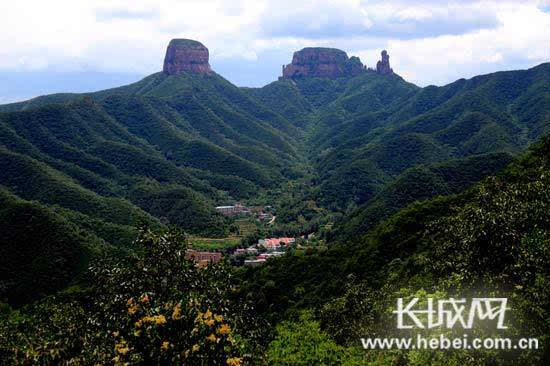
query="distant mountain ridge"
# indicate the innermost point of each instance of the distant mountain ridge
(191, 132)
(169, 148)
(371, 122)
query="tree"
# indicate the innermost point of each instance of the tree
(153, 307)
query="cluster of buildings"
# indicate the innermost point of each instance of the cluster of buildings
(256, 254)
(262, 258)
(261, 213)
(271, 246)
(250, 251)
(235, 210)
(276, 243)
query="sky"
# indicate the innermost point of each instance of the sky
(75, 46)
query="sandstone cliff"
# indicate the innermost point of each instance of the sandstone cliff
(186, 55)
(322, 62)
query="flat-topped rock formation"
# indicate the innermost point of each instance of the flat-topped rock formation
(322, 62)
(186, 55)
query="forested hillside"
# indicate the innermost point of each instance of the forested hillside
(384, 129)
(402, 189)
(196, 135)
(377, 143)
(491, 239)
(164, 151)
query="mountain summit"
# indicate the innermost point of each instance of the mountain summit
(186, 55)
(322, 62)
(330, 63)
(383, 66)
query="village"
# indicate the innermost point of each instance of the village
(253, 255)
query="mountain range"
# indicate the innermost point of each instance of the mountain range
(166, 150)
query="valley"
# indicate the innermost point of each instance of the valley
(377, 187)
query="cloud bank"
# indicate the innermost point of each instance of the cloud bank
(430, 42)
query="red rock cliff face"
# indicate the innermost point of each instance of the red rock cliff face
(186, 55)
(322, 62)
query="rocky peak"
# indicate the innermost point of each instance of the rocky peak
(322, 62)
(383, 66)
(186, 55)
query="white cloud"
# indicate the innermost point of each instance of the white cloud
(429, 41)
(419, 13)
(521, 40)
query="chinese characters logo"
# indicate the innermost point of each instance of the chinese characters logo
(447, 313)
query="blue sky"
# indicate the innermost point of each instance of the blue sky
(76, 46)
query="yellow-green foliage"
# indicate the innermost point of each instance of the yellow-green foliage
(303, 343)
(154, 307)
